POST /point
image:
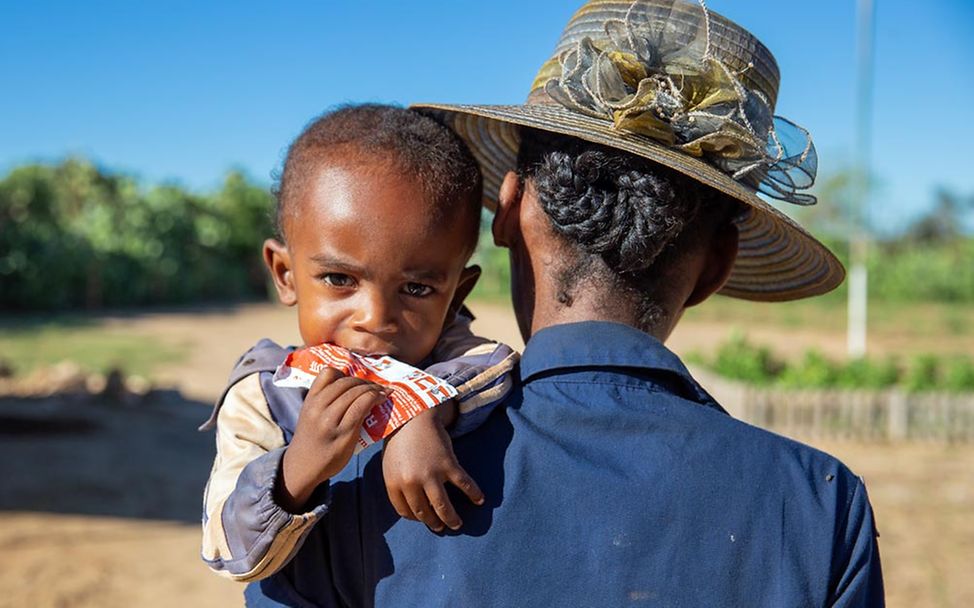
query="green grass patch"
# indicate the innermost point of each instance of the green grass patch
(96, 348)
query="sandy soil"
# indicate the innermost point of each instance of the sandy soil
(69, 560)
(99, 504)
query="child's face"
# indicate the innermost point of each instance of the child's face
(363, 263)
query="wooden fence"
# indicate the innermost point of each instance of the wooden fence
(848, 414)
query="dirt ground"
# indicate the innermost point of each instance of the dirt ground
(99, 504)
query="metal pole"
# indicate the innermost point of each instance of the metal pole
(859, 246)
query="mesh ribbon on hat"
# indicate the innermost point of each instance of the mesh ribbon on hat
(647, 79)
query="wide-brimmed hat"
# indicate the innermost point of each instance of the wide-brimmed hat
(672, 82)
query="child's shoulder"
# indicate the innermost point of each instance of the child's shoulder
(265, 355)
(261, 359)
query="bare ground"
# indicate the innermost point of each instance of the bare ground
(99, 503)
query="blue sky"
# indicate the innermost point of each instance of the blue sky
(183, 91)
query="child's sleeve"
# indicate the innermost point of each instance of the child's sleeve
(247, 536)
(481, 370)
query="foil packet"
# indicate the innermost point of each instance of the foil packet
(413, 390)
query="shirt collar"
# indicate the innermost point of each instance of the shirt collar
(603, 344)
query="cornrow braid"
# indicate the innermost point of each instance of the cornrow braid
(624, 215)
(622, 211)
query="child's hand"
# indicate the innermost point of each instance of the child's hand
(417, 461)
(326, 434)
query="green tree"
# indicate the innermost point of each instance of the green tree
(75, 236)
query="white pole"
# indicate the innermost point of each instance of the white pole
(858, 300)
(859, 247)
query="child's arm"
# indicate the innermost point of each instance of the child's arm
(256, 515)
(240, 518)
(418, 460)
(326, 434)
(481, 370)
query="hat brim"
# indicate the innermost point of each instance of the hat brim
(777, 259)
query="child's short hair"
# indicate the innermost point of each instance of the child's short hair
(417, 143)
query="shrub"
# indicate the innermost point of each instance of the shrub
(739, 359)
(866, 373)
(958, 374)
(813, 371)
(922, 374)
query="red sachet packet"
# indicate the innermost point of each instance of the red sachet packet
(414, 391)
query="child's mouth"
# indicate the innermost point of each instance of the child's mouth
(373, 354)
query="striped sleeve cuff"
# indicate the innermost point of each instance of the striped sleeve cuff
(483, 377)
(261, 535)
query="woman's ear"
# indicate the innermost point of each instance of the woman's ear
(507, 217)
(278, 261)
(719, 261)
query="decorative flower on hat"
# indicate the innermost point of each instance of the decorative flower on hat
(649, 79)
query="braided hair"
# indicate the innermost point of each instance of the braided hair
(623, 215)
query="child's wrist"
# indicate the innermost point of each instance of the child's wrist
(446, 413)
(295, 486)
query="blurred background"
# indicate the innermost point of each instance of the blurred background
(138, 145)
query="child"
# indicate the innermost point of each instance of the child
(379, 210)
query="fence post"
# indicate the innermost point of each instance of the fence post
(897, 420)
(851, 414)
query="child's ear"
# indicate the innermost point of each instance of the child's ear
(468, 280)
(278, 261)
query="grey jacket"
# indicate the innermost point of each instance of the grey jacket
(246, 535)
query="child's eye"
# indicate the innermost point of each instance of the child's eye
(337, 279)
(417, 290)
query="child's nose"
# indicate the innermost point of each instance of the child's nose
(377, 314)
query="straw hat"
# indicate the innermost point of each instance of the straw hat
(675, 83)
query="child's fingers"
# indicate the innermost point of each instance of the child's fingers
(400, 505)
(332, 401)
(420, 506)
(438, 499)
(338, 398)
(342, 391)
(324, 379)
(467, 485)
(326, 396)
(362, 402)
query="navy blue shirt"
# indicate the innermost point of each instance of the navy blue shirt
(612, 478)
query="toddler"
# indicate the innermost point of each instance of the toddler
(378, 213)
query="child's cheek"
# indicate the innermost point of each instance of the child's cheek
(425, 329)
(317, 326)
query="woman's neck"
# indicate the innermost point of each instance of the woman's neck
(552, 306)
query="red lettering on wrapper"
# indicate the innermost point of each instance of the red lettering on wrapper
(414, 391)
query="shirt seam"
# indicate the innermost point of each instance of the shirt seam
(648, 390)
(595, 382)
(643, 389)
